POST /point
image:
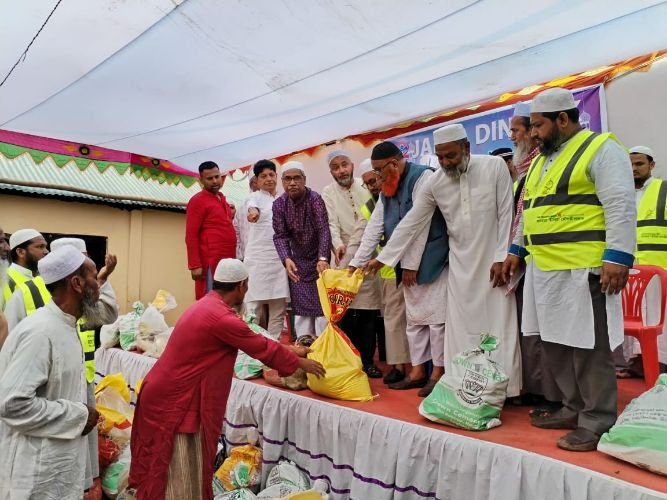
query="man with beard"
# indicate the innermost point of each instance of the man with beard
(303, 242)
(539, 386)
(421, 270)
(394, 339)
(578, 225)
(32, 294)
(268, 290)
(180, 410)
(44, 416)
(209, 231)
(474, 194)
(26, 247)
(344, 199)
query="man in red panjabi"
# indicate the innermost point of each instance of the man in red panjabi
(181, 405)
(209, 232)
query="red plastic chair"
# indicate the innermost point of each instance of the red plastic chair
(633, 298)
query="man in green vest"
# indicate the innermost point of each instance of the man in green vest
(650, 195)
(578, 227)
(27, 247)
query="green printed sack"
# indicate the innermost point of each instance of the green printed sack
(471, 393)
(640, 433)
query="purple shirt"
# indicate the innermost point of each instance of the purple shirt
(301, 233)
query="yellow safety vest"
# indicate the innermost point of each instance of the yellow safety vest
(387, 272)
(14, 278)
(563, 219)
(36, 295)
(651, 226)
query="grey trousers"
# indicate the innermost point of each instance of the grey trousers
(587, 377)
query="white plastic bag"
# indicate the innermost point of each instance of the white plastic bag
(128, 326)
(110, 335)
(640, 433)
(288, 473)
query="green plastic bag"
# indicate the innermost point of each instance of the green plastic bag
(471, 394)
(246, 367)
(640, 433)
(128, 326)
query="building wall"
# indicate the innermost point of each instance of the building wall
(149, 244)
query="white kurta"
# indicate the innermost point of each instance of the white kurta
(424, 304)
(345, 224)
(267, 276)
(42, 409)
(15, 310)
(478, 210)
(557, 304)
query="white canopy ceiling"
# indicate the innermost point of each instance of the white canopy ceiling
(239, 80)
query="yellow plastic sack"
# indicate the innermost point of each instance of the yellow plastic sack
(345, 378)
(112, 399)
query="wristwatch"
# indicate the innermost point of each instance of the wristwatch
(323, 259)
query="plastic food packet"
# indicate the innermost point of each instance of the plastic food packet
(288, 473)
(107, 452)
(640, 433)
(112, 399)
(243, 467)
(345, 378)
(164, 301)
(471, 394)
(115, 477)
(128, 326)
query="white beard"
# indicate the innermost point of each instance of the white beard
(459, 170)
(4, 266)
(521, 152)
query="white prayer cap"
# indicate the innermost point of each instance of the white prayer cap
(449, 133)
(552, 100)
(77, 243)
(643, 150)
(336, 153)
(522, 109)
(294, 164)
(60, 264)
(230, 271)
(365, 167)
(21, 236)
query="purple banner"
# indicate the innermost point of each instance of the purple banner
(491, 130)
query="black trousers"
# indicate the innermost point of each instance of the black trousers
(359, 326)
(587, 377)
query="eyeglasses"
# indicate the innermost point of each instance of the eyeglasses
(378, 171)
(290, 178)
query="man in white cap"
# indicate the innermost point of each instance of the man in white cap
(303, 242)
(650, 198)
(421, 270)
(268, 289)
(182, 403)
(209, 230)
(539, 387)
(474, 194)
(578, 225)
(32, 294)
(27, 247)
(344, 199)
(44, 414)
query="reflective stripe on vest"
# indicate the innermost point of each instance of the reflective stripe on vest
(387, 272)
(651, 226)
(564, 224)
(88, 344)
(14, 278)
(35, 295)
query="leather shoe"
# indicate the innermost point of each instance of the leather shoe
(393, 376)
(579, 440)
(554, 420)
(427, 389)
(408, 383)
(373, 371)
